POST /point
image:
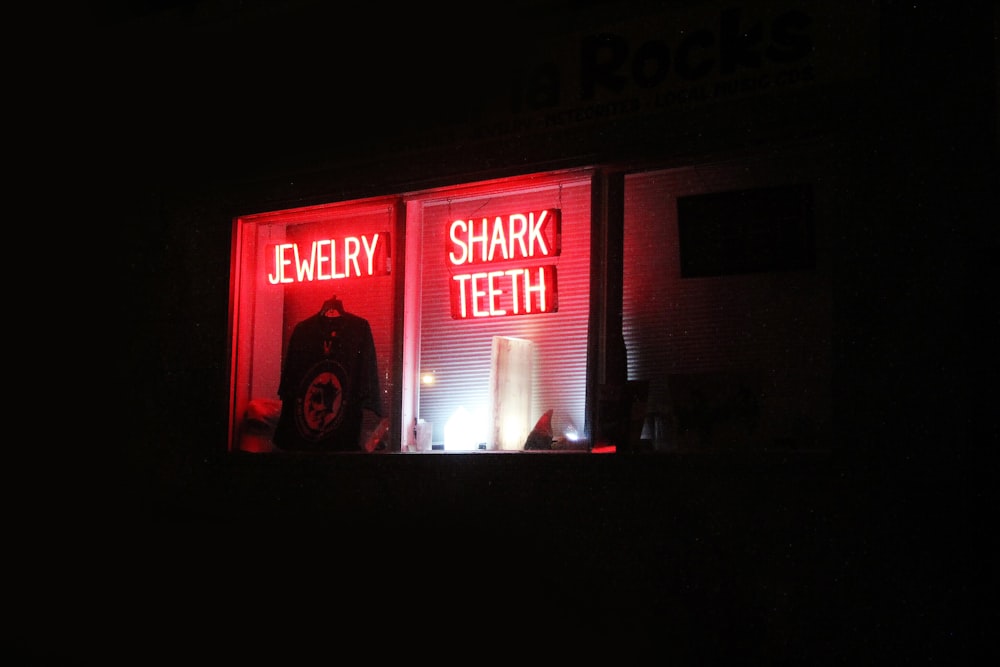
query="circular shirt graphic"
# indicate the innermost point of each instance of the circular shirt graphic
(320, 401)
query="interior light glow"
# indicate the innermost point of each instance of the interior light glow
(514, 429)
(427, 378)
(464, 430)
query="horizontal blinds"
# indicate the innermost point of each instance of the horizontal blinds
(458, 352)
(772, 327)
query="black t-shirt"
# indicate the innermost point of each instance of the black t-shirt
(329, 376)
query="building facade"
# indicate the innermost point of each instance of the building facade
(720, 241)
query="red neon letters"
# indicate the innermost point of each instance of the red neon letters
(512, 284)
(329, 259)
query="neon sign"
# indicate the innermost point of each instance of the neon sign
(329, 259)
(512, 282)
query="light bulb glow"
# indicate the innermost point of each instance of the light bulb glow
(464, 430)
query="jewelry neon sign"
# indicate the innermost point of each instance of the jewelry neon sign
(329, 259)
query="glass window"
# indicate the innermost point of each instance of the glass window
(733, 346)
(484, 339)
(313, 341)
(500, 295)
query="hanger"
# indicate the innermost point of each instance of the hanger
(332, 307)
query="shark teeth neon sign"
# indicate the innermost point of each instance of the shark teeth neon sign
(495, 267)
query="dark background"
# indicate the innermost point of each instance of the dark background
(153, 545)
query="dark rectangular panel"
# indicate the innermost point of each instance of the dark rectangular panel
(746, 231)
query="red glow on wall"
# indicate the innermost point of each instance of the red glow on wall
(328, 259)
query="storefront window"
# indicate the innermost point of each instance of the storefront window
(482, 340)
(501, 301)
(727, 304)
(313, 328)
